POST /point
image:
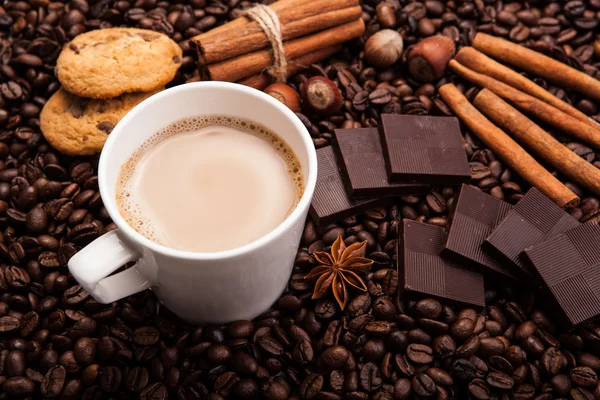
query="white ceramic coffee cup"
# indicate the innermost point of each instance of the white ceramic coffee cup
(199, 287)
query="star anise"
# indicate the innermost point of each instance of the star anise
(340, 268)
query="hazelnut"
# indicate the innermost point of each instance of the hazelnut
(321, 95)
(285, 94)
(428, 59)
(597, 48)
(384, 48)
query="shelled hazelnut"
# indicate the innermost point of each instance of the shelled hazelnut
(428, 59)
(285, 94)
(321, 95)
(384, 48)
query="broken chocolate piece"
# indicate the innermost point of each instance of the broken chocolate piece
(423, 271)
(423, 149)
(473, 217)
(330, 201)
(569, 266)
(363, 168)
(534, 219)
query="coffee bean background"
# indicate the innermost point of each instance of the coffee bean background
(57, 342)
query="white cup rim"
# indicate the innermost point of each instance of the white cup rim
(121, 128)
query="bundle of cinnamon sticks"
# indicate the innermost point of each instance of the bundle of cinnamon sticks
(496, 113)
(311, 30)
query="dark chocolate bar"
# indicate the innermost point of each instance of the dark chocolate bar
(330, 201)
(569, 265)
(423, 271)
(473, 217)
(363, 168)
(423, 149)
(534, 219)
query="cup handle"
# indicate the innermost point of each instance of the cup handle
(92, 265)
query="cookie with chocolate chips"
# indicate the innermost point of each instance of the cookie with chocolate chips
(79, 126)
(109, 62)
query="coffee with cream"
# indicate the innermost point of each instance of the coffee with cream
(207, 184)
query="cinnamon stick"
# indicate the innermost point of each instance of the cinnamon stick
(261, 81)
(281, 7)
(511, 153)
(479, 62)
(537, 63)
(539, 141)
(295, 23)
(250, 64)
(532, 105)
(234, 45)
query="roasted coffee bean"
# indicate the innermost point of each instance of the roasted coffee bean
(243, 363)
(154, 391)
(53, 381)
(561, 384)
(423, 386)
(501, 364)
(429, 308)
(245, 389)
(136, 379)
(514, 354)
(218, 354)
(479, 390)
(109, 379)
(240, 329)
(335, 357)
(397, 341)
(84, 351)
(588, 360)
(470, 347)
(373, 350)
(533, 345)
(491, 346)
(499, 380)
(584, 376)
(18, 387)
(14, 363)
(9, 324)
(403, 389)
(552, 361)
(440, 377)
(534, 375)
(270, 346)
(462, 329)
(402, 366)
(443, 346)
(370, 379)
(145, 336)
(311, 385)
(464, 370)
(274, 390)
(419, 354)
(581, 394)
(481, 368)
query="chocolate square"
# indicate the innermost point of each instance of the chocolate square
(330, 201)
(569, 266)
(423, 271)
(534, 219)
(473, 217)
(361, 161)
(423, 149)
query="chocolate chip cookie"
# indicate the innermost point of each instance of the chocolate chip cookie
(109, 62)
(79, 126)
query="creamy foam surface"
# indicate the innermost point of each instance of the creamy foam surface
(209, 184)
